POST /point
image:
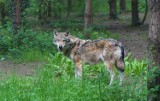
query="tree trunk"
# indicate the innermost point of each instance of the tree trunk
(87, 16)
(2, 13)
(49, 8)
(55, 10)
(18, 12)
(122, 5)
(145, 13)
(17, 15)
(40, 10)
(135, 17)
(154, 49)
(112, 9)
(69, 7)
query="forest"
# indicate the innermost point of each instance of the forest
(32, 68)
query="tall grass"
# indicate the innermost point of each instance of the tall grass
(55, 82)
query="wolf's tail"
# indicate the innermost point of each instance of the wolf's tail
(120, 64)
(122, 52)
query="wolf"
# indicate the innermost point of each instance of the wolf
(109, 51)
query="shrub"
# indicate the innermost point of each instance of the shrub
(25, 40)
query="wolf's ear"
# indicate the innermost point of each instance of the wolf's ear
(67, 33)
(55, 32)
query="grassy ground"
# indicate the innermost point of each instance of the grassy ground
(55, 81)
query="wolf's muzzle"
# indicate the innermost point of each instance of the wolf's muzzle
(60, 48)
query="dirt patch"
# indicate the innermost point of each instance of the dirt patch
(27, 69)
(134, 39)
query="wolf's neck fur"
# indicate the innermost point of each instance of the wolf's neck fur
(69, 48)
(74, 39)
(75, 44)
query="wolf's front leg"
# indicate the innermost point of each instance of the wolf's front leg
(78, 69)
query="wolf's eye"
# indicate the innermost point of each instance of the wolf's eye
(66, 40)
(57, 40)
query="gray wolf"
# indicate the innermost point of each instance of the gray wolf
(109, 51)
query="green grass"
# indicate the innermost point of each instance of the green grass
(56, 82)
(32, 55)
(67, 88)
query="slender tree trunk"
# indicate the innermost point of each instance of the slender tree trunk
(122, 5)
(69, 7)
(154, 49)
(87, 16)
(135, 17)
(55, 10)
(40, 10)
(112, 9)
(60, 8)
(49, 8)
(17, 15)
(18, 12)
(2, 13)
(145, 13)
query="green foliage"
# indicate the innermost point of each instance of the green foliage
(67, 24)
(135, 67)
(153, 86)
(2, 1)
(94, 34)
(31, 55)
(23, 41)
(55, 81)
(100, 6)
(141, 5)
(61, 64)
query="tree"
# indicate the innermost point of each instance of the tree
(87, 16)
(112, 9)
(40, 9)
(154, 49)
(2, 11)
(69, 7)
(16, 14)
(49, 8)
(135, 16)
(145, 13)
(122, 5)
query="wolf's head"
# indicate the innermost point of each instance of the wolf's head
(62, 39)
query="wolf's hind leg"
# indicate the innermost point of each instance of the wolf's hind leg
(120, 65)
(120, 77)
(109, 67)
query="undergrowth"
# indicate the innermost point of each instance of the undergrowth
(25, 42)
(55, 82)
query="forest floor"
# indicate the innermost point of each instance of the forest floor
(133, 38)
